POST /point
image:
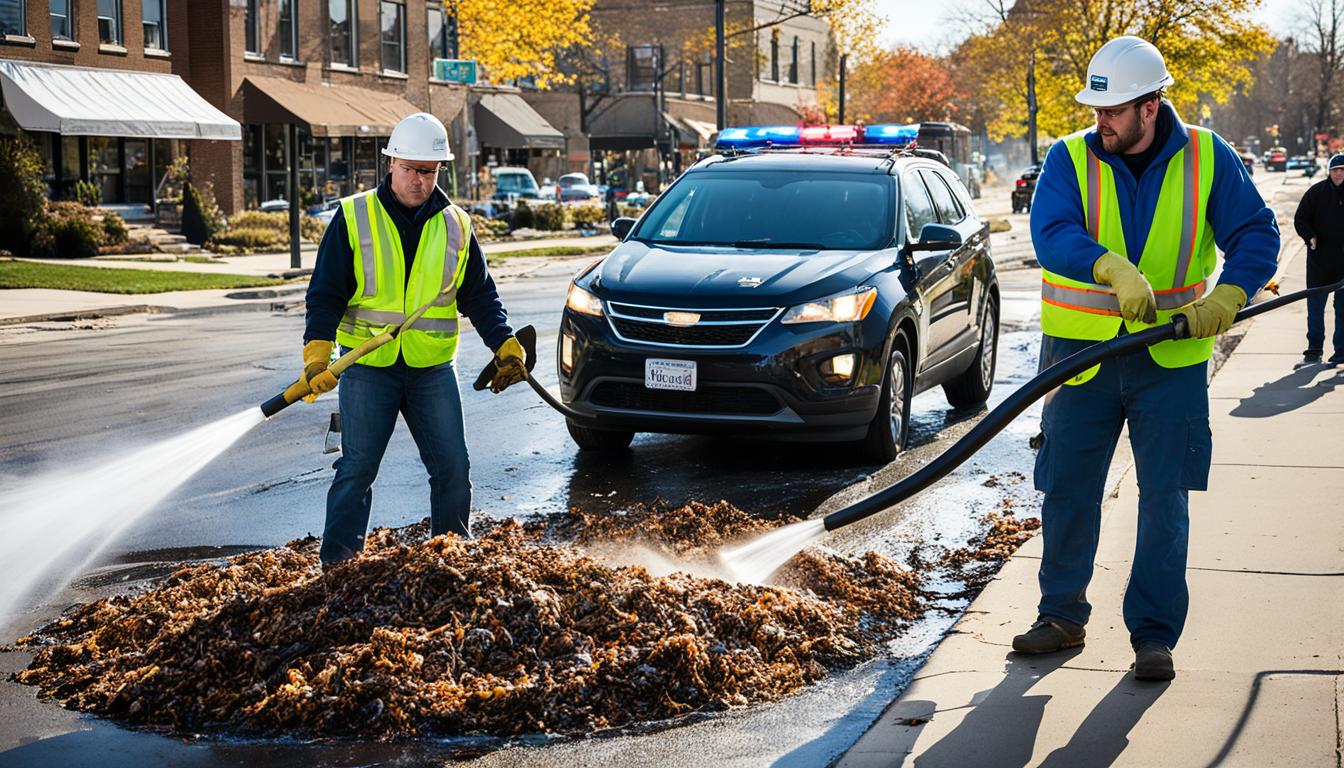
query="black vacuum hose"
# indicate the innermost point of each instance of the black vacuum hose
(996, 420)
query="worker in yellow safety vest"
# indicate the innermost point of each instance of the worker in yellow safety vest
(389, 252)
(1126, 221)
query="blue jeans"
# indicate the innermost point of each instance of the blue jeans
(1168, 414)
(370, 400)
(1316, 324)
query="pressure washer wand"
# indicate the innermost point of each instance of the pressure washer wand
(999, 418)
(299, 389)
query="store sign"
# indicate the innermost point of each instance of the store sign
(455, 70)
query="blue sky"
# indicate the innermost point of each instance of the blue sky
(932, 25)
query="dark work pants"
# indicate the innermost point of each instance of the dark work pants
(371, 398)
(1167, 410)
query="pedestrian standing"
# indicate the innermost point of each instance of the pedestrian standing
(1125, 221)
(1320, 222)
(391, 251)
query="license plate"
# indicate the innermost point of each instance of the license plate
(669, 374)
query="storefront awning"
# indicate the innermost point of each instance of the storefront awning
(327, 110)
(505, 121)
(85, 101)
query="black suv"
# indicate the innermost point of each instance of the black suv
(793, 294)
(1025, 188)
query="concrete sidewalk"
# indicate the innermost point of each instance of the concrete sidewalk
(26, 305)
(1260, 668)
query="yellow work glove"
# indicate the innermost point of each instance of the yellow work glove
(316, 357)
(510, 365)
(1131, 287)
(1213, 314)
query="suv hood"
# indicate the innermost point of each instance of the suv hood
(711, 276)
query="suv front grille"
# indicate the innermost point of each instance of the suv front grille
(715, 327)
(747, 401)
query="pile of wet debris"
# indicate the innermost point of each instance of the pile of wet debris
(518, 630)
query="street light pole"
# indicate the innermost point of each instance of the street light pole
(1031, 108)
(844, 57)
(294, 261)
(721, 107)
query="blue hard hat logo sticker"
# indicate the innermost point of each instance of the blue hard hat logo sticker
(1098, 83)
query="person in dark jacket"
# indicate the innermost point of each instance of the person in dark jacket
(392, 251)
(1320, 222)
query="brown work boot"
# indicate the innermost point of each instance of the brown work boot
(1048, 635)
(1152, 661)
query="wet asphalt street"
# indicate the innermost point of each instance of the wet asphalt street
(79, 394)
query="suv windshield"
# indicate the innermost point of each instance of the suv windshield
(774, 209)
(515, 182)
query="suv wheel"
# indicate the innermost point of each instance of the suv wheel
(891, 424)
(590, 439)
(971, 388)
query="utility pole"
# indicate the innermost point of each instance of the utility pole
(843, 59)
(1031, 108)
(720, 83)
(294, 261)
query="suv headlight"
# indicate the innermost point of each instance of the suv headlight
(583, 302)
(841, 308)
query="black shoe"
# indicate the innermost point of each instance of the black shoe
(1152, 661)
(1309, 358)
(1048, 635)
(1336, 359)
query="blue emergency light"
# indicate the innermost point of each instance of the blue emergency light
(894, 133)
(759, 136)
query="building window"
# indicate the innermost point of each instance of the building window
(438, 35)
(62, 28)
(774, 55)
(343, 31)
(814, 63)
(289, 31)
(793, 62)
(642, 63)
(156, 31)
(393, 16)
(109, 22)
(12, 18)
(252, 38)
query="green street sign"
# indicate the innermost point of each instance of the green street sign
(455, 70)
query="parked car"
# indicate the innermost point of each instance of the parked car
(513, 184)
(575, 187)
(1024, 188)
(790, 294)
(1277, 160)
(1298, 162)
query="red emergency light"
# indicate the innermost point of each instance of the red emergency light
(829, 134)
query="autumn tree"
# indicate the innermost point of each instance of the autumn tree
(511, 39)
(1324, 40)
(1210, 47)
(901, 86)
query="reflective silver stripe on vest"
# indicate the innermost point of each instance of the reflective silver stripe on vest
(389, 252)
(1093, 164)
(441, 324)
(373, 316)
(361, 206)
(453, 237)
(1101, 299)
(1189, 207)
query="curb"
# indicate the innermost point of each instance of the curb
(89, 314)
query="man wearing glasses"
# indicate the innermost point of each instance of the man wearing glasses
(1126, 222)
(393, 250)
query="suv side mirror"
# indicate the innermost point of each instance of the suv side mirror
(935, 237)
(622, 226)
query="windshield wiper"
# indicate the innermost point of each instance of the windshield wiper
(765, 242)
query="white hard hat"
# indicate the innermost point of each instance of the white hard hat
(419, 137)
(1123, 70)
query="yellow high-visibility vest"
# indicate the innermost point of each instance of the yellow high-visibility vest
(1178, 256)
(384, 296)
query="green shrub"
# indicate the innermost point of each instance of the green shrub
(549, 217)
(194, 227)
(69, 231)
(631, 211)
(88, 194)
(249, 238)
(523, 217)
(23, 196)
(588, 216)
(275, 220)
(114, 229)
(311, 229)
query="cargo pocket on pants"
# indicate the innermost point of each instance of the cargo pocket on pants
(1042, 473)
(1198, 455)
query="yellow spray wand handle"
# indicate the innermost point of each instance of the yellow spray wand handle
(299, 389)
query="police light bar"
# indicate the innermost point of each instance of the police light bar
(755, 137)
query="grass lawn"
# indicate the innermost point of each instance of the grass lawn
(68, 277)
(554, 250)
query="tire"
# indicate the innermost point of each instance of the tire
(590, 439)
(971, 389)
(890, 427)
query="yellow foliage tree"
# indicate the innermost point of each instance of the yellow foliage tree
(1209, 46)
(521, 38)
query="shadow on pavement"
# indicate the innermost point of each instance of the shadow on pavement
(1101, 738)
(1000, 730)
(1289, 392)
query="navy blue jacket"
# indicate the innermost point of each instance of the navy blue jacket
(333, 282)
(1244, 228)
